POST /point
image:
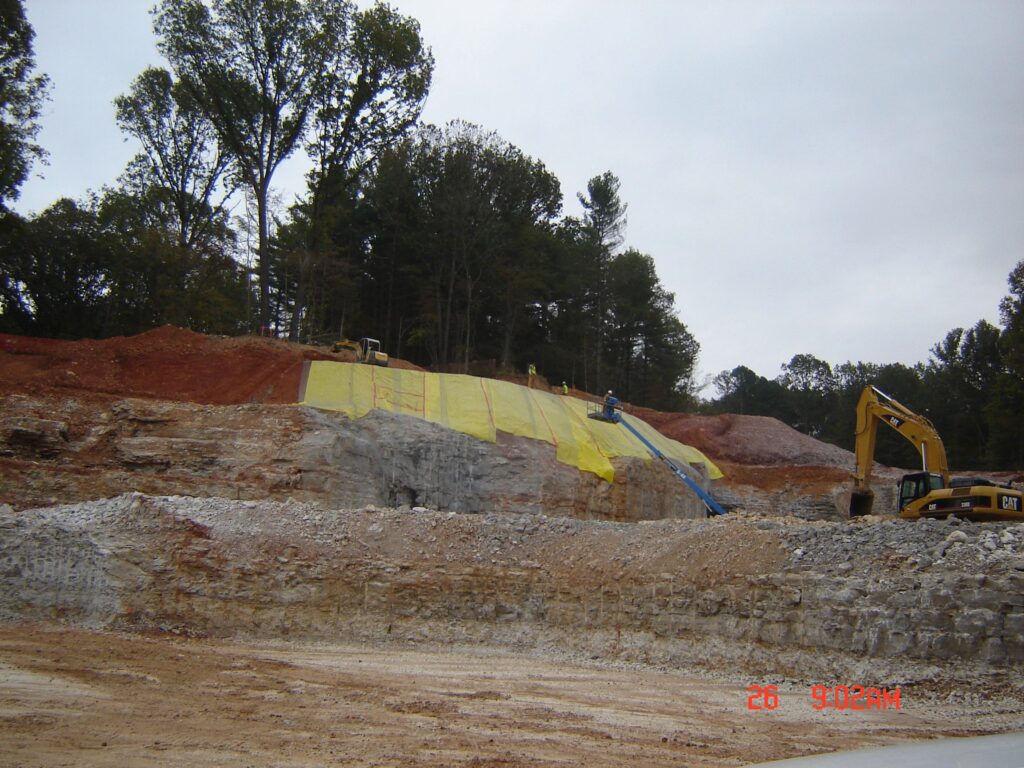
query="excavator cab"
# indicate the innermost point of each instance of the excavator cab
(369, 352)
(918, 485)
(366, 350)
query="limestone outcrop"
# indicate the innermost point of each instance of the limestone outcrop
(71, 449)
(807, 598)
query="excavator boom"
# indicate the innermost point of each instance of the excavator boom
(873, 408)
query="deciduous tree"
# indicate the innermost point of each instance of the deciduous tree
(22, 94)
(371, 95)
(254, 67)
(181, 166)
(57, 268)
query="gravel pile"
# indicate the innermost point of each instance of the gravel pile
(832, 547)
(951, 543)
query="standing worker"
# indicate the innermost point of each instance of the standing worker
(532, 371)
(611, 403)
(565, 388)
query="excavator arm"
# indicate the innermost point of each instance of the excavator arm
(876, 407)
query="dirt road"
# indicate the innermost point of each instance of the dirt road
(74, 697)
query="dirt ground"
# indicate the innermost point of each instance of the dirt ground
(164, 363)
(71, 697)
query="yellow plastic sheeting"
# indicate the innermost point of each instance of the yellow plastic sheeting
(482, 407)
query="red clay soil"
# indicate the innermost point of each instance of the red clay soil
(166, 363)
(809, 480)
(747, 440)
(171, 363)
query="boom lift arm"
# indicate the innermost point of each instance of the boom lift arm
(611, 414)
(873, 408)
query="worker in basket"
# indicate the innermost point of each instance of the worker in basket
(611, 404)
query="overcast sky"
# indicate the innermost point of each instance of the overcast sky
(844, 179)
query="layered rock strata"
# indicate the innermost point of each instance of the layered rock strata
(804, 598)
(70, 449)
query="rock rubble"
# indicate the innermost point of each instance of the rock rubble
(768, 594)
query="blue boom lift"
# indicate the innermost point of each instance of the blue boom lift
(611, 412)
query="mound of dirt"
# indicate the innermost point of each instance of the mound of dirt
(166, 363)
(751, 440)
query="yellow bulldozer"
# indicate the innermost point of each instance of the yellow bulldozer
(366, 350)
(933, 492)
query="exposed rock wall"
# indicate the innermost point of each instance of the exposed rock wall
(54, 451)
(824, 498)
(746, 591)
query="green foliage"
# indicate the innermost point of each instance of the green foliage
(371, 96)
(104, 267)
(267, 74)
(452, 252)
(1004, 410)
(472, 212)
(181, 166)
(811, 385)
(156, 280)
(972, 389)
(56, 278)
(745, 392)
(22, 95)
(254, 69)
(652, 353)
(958, 381)
(605, 215)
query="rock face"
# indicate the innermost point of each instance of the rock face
(747, 591)
(810, 493)
(224, 511)
(214, 439)
(70, 449)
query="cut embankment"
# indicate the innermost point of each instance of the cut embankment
(928, 602)
(483, 408)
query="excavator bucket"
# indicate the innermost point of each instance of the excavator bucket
(861, 502)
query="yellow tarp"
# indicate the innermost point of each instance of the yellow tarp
(482, 407)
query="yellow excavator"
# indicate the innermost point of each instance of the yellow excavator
(366, 351)
(933, 492)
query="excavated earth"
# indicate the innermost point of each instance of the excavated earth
(193, 570)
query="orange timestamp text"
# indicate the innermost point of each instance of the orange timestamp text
(858, 698)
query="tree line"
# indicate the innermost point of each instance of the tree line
(971, 388)
(446, 242)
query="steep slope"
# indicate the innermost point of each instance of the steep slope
(768, 466)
